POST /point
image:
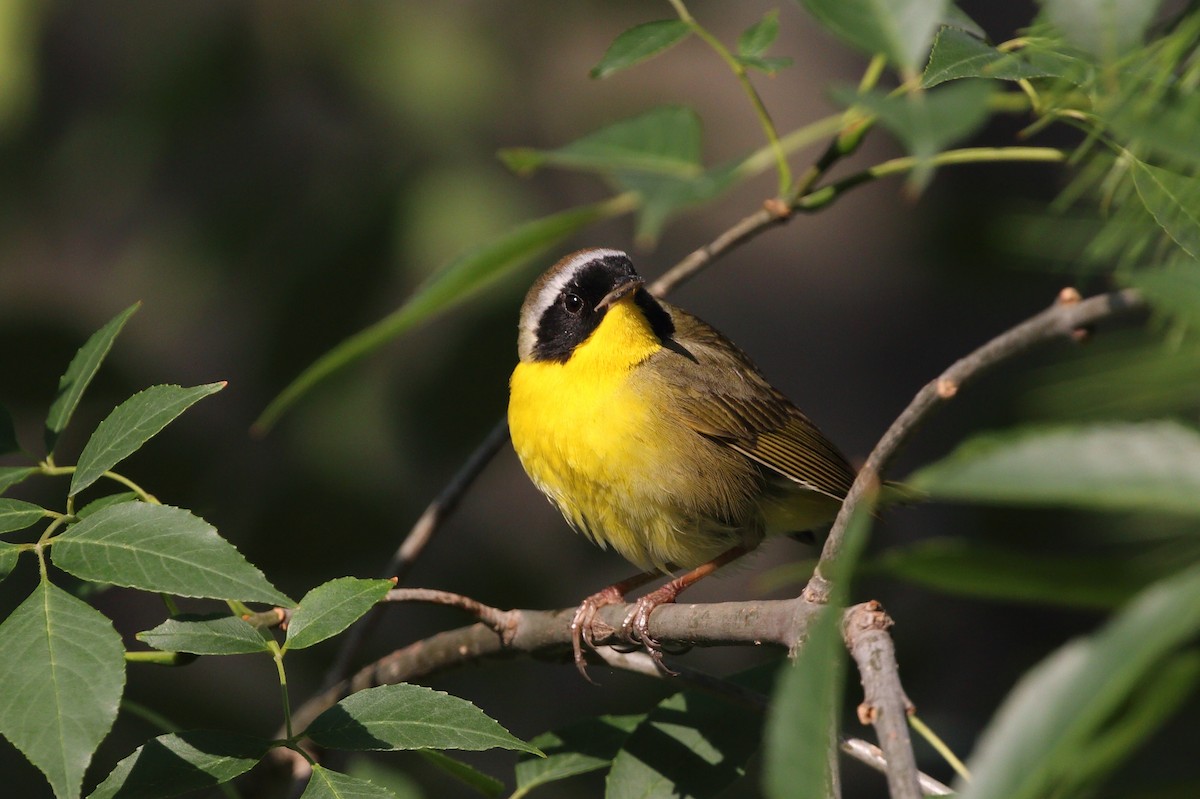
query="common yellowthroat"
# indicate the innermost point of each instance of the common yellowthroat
(655, 435)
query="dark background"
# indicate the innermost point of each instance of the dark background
(269, 177)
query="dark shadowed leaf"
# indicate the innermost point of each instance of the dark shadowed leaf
(17, 515)
(483, 784)
(8, 558)
(1151, 466)
(588, 745)
(1173, 289)
(131, 424)
(207, 635)
(330, 608)
(61, 664)
(104, 502)
(79, 374)
(899, 29)
(391, 717)
(957, 54)
(1174, 201)
(174, 764)
(11, 475)
(160, 548)
(640, 43)
(326, 784)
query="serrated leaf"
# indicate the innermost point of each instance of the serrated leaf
(79, 374)
(1152, 466)
(977, 570)
(326, 784)
(899, 29)
(957, 54)
(484, 784)
(1104, 28)
(391, 717)
(177, 763)
(160, 548)
(131, 424)
(9, 553)
(207, 635)
(11, 475)
(104, 502)
(1174, 201)
(17, 515)
(587, 745)
(61, 664)
(459, 279)
(330, 608)
(8, 433)
(800, 732)
(755, 40)
(640, 43)
(927, 122)
(1057, 711)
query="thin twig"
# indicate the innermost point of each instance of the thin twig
(870, 754)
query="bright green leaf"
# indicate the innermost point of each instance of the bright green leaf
(326, 784)
(8, 433)
(79, 374)
(1174, 201)
(8, 558)
(63, 670)
(755, 40)
(957, 54)
(640, 43)
(174, 764)
(17, 515)
(160, 548)
(462, 277)
(900, 29)
(484, 784)
(131, 424)
(587, 745)
(330, 608)
(11, 475)
(207, 635)
(970, 569)
(1104, 28)
(1038, 740)
(391, 717)
(1153, 466)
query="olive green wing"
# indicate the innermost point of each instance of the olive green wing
(721, 395)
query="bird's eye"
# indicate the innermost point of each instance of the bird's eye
(573, 303)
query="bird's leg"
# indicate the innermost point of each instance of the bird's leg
(585, 614)
(635, 626)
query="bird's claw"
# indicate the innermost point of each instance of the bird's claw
(583, 625)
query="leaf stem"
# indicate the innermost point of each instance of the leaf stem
(277, 656)
(739, 72)
(939, 746)
(48, 468)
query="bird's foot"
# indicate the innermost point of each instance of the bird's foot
(636, 626)
(584, 621)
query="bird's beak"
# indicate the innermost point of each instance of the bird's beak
(622, 290)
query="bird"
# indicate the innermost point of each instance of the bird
(655, 435)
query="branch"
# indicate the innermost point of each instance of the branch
(1065, 318)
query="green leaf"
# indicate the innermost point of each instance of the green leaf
(330, 608)
(756, 39)
(17, 515)
(899, 29)
(640, 43)
(79, 374)
(1173, 289)
(207, 635)
(768, 65)
(8, 433)
(1152, 466)
(104, 502)
(177, 763)
(8, 558)
(462, 277)
(927, 122)
(468, 775)
(662, 141)
(957, 54)
(977, 570)
(587, 745)
(63, 670)
(1104, 28)
(160, 548)
(326, 784)
(1174, 201)
(131, 424)
(11, 475)
(801, 726)
(1037, 742)
(391, 717)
